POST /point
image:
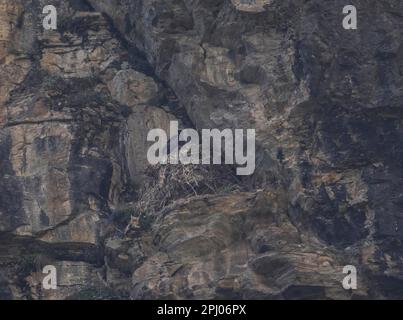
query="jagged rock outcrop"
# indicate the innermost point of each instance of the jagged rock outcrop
(75, 107)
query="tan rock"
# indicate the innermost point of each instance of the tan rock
(133, 88)
(84, 229)
(141, 121)
(251, 5)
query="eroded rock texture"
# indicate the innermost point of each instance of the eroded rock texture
(76, 190)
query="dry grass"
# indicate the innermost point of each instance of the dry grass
(167, 183)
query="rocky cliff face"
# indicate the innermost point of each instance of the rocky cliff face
(76, 190)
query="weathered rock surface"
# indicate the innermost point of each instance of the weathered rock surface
(75, 108)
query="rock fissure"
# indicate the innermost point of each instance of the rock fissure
(77, 191)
